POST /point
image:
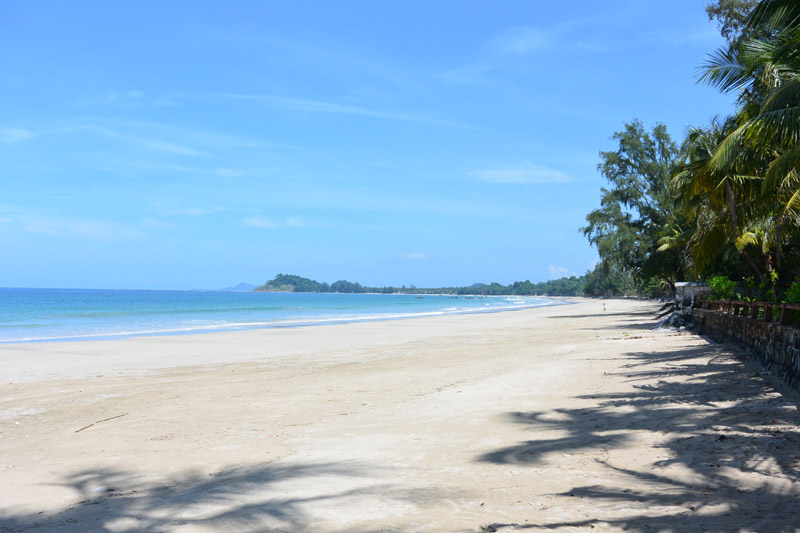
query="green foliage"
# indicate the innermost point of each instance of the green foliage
(292, 283)
(731, 16)
(733, 207)
(722, 287)
(606, 280)
(637, 209)
(348, 287)
(571, 286)
(793, 294)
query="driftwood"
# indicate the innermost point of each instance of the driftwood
(666, 309)
(674, 315)
(103, 420)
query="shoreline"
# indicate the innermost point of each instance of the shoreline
(79, 358)
(553, 418)
(246, 326)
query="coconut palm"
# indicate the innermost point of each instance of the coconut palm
(714, 196)
(766, 72)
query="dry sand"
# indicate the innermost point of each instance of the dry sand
(565, 418)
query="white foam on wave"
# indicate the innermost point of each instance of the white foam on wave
(322, 320)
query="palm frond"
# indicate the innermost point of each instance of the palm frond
(780, 169)
(775, 14)
(725, 70)
(707, 242)
(747, 238)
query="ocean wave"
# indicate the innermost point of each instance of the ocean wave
(292, 322)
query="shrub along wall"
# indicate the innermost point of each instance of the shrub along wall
(777, 346)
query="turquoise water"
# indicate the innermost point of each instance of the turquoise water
(28, 315)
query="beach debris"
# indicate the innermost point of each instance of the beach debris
(98, 421)
(674, 316)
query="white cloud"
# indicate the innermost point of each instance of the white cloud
(320, 106)
(132, 98)
(416, 256)
(13, 135)
(528, 173)
(52, 223)
(521, 41)
(261, 222)
(294, 222)
(163, 209)
(505, 50)
(705, 36)
(145, 141)
(229, 173)
(153, 223)
(198, 211)
(559, 272)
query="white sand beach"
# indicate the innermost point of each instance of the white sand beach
(566, 418)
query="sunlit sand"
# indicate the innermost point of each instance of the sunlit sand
(562, 418)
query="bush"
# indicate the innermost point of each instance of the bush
(722, 288)
(793, 294)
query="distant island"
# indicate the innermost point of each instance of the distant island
(567, 286)
(242, 287)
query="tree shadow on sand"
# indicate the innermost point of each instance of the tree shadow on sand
(630, 321)
(731, 444)
(261, 498)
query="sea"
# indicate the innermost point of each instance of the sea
(38, 315)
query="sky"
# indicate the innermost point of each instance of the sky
(191, 144)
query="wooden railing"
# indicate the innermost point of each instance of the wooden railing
(780, 313)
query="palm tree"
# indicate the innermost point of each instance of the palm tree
(714, 196)
(766, 72)
(740, 180)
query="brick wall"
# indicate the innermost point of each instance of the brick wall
(776, 346)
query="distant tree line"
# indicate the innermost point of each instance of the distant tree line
(571, 286)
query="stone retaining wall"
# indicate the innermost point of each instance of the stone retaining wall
(776, 346)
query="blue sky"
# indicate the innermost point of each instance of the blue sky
(199, 144)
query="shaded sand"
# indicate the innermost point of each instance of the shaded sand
(565, 418)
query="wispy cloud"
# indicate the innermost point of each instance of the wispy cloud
(165, 138)
(55, 224)
(306, 105)
(13, 135)
(415, 256)
(527, 174)
(521, 40)
(132, 98)
(151, 143)
(705, 36)
(468, 73)
(507, 48)
(229, 172)
(164, 209)
(357, 199)
(559, 272)
(159, 145)
(261, 222)
(195, 136)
